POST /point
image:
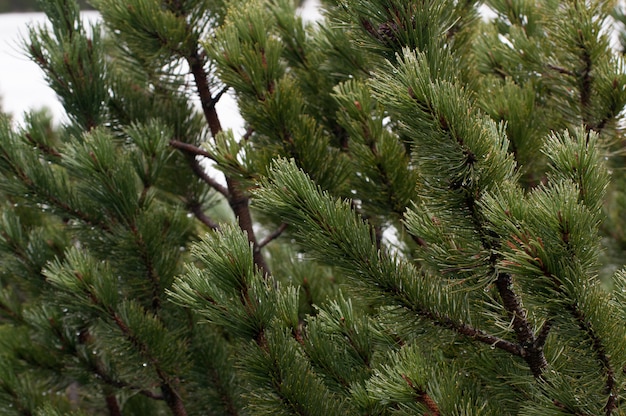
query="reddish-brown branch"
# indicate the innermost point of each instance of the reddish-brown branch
(237, 199)
(423, 397)
(112, 405)
(542, 336)
(273, 235)
(191, 149)
(200, 172)
(197, 211)
(201, 79)
(248, 134)
(561, 70)
(239, 202)
(419, 240)
(44, 148)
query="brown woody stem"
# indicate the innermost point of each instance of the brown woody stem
(237, 199)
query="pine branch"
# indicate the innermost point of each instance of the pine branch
(173, 400)
(16, 399)
(168, 383)
(240, 203)
(601, 355)
(542, 336)
(585, 83)
(94, 366)
(76, 213)
(249, 132)
(237, 199)
(528, 349)
(112, 405)
(14, 316)
(196, 209)
(560, 70)
(200, 172)
(291, 193)
(281, 228)
(152, 274)
(119, 384)
(423, 397)
(225, 398)
(170, 394)
(586, 327)
(419, 240)
(216, 98)
(532, 351)
(45, 149)
(50, 199)
(201, 78)
(191, 149)
(20, 253)
(469, 331)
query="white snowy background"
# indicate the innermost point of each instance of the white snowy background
(23, 88)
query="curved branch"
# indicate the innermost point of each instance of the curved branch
(237, 199)
(200, 172)
(273, 235)
(196, 209)
(191, 149)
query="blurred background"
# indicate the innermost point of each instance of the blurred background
(13, 6)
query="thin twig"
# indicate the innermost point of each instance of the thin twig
(542, 336)
(248, 134)
(419, 240)
(216, 98)
(198, 169)
(561, 70)
(43, 147)
(482, 336)
(196, 209)
(273, 235)
(191, 149)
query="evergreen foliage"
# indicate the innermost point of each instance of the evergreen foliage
(424, 215)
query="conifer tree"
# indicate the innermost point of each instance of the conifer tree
(424, 215)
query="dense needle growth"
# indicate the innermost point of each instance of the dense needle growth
(424, 215)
